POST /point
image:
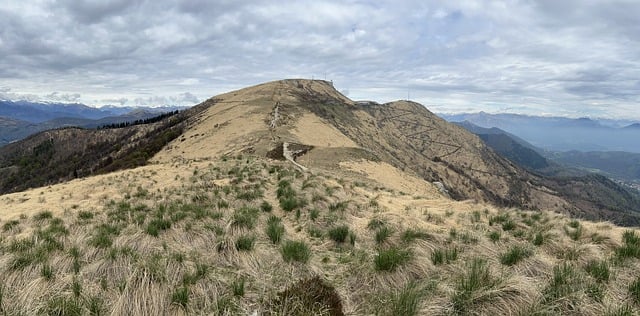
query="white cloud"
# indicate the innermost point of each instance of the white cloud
(553, 56)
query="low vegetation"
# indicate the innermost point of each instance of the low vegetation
(242, 236)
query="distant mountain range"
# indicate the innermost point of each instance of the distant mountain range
(559, 133)
(19, 119)
(623, 167)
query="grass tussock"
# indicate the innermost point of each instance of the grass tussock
(231, 233)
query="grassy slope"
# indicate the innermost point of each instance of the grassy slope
(207, 242)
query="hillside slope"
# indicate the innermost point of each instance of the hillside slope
(247, 235)
(322, 129)
(273, 201)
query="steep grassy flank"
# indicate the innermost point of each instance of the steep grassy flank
(210, 245)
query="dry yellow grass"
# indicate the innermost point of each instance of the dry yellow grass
(195, 265)
(210, 227)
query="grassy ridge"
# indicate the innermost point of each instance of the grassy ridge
(245, 235)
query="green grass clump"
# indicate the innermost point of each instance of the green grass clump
(494, 236)
(624, 310)
(515, 254)
(43, 215)
(275, 230)
(10, 225)
(390, 259)
(508, 225)
(498, 219)
(538, 239)
(103, 236)
(295, 251)
(245, 243)
(237, 287)
(574, 230)
(630, 246)
(599, 270)
(46, 271)
(180, 296)
(477, 278)
(85, 215)
(382, 234)
(446, 255)
(62, 306)
(375, 223)
(245, 217)
(339, 233)
(157, 225)
(266, 207)
(564, 282)
(405, 301)
(411, 235)
(634, 290)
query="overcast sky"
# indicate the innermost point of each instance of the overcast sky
(561, 57)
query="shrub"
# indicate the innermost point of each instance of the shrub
(339, 234)
(245, 243)
(391, 259)
(275, 229)
(514, 255)
(295, 251)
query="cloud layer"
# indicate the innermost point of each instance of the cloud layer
(569, 57)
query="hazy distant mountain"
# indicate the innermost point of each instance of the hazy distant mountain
(19, 119)
(37, 112)
(509, 146)
(559, 133)
(621, 165)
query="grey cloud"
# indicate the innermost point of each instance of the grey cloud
(62, 97)
(516, 55)
(185, 98)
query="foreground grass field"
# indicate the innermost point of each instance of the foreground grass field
(248, 236)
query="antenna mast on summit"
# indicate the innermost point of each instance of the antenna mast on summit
(408, 94)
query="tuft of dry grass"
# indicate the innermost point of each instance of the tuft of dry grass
(202, 245)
